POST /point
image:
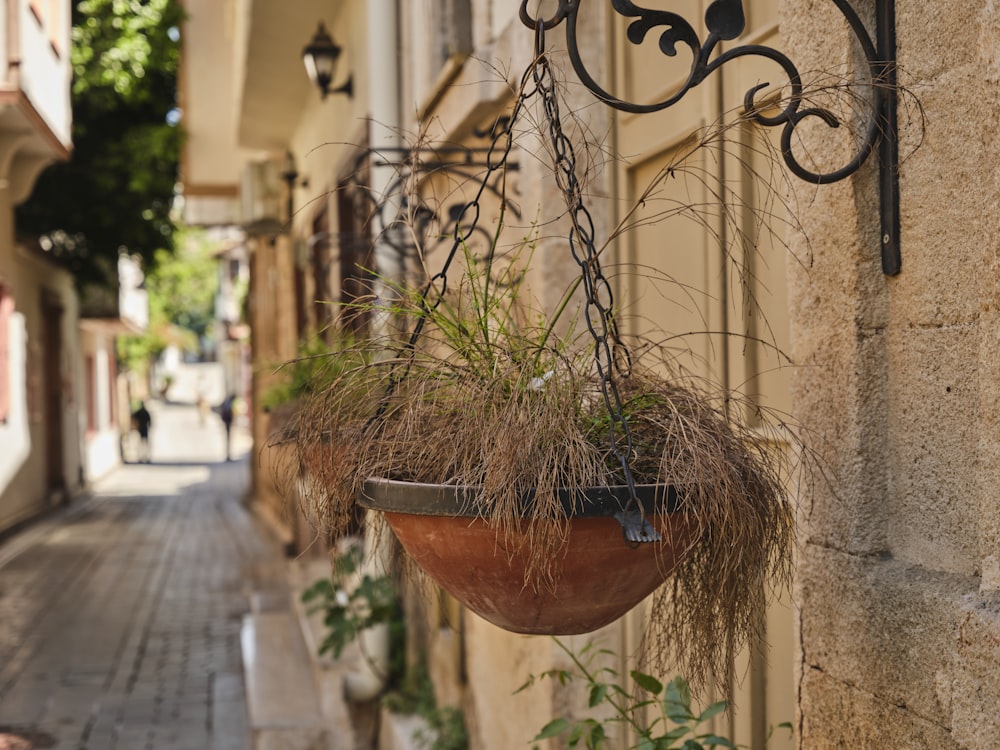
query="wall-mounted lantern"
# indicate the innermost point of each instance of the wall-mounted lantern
(290, 174)
(320, 58)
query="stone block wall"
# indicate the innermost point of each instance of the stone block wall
(897, 384)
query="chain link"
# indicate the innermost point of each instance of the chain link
(610, 354)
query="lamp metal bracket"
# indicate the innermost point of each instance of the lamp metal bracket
(725, 21)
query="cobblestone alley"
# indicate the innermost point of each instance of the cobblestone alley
(120, 615)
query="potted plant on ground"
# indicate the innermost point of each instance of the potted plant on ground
(541, 475)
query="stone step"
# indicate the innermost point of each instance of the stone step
(397, 732)
(282, 698)
(330, 672)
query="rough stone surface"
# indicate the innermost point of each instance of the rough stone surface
(988, 477)
(842, 716)
(851, 514)
(897, 385)
(976, 689)
(933, 422)
(881, 626)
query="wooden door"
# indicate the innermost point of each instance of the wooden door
(52, 401)
(704, 275)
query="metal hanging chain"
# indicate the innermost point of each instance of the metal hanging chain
(610, 354)
(434, 290)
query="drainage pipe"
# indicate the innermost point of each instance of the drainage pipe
(385, 126)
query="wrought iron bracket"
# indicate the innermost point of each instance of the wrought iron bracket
(413, 165)
(725, 21)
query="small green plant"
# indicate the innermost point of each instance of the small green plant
(346, 612)
(317, 364)
(373, 601)
(659, 715)
(445, 728)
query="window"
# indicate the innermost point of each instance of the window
(439, 35)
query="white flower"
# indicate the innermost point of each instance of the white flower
(537, 384)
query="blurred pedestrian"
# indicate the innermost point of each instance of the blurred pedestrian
(202, 402)
(226, 413)
(142, 420)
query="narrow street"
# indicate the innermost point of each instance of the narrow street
(120, 615)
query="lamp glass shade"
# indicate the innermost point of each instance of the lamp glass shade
(320, 58)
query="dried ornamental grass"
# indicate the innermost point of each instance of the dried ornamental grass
(533, 422)
(489, 400)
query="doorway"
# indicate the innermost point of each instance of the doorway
(52, 397)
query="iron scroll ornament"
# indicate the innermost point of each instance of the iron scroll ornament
(725, 21)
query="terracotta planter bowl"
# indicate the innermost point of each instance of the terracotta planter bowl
(601, 576)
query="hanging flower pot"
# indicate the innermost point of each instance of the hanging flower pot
(596, 580)
(516, 412)
(486, 390)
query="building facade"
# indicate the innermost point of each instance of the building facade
(771, 286)
(41, 462)
(64, 406)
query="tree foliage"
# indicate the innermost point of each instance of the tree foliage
(181, 288)
(115, 193)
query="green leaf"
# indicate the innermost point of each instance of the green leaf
(714, 710)
(322, 588)
(677, 701)
(597, 694)
(647, 682)
(677, 713)
(553, 729)
(597, 734)
(590, 732)
(645, 743)
(676, 733)
(525, 686)
(619, 690)
(783, 725)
